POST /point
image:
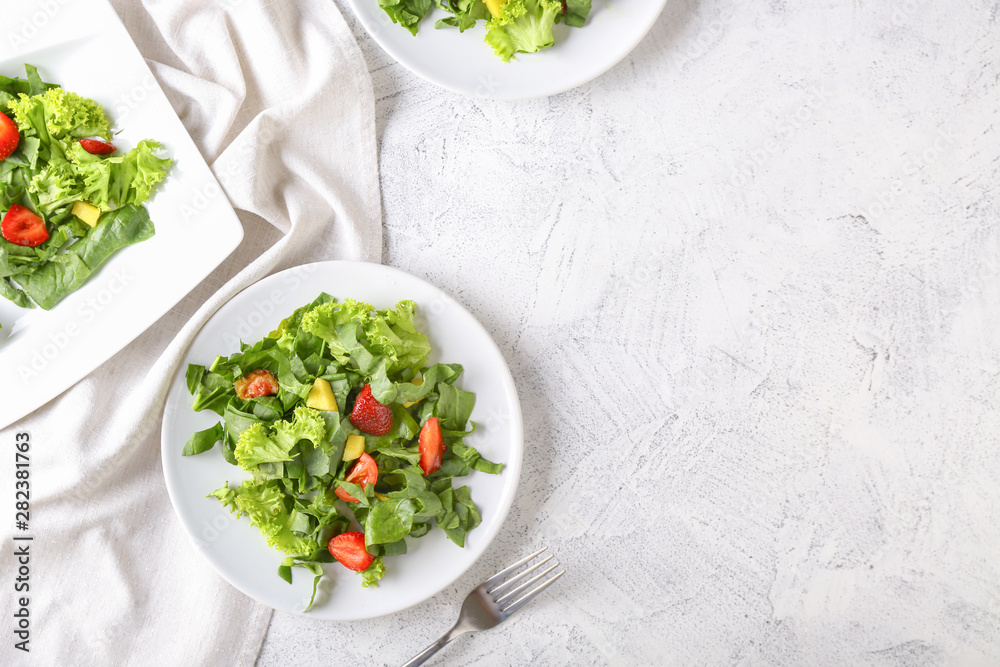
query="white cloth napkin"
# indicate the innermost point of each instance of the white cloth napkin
(277, 96)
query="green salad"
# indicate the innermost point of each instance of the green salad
(512, 26)
(352, 441)
(69, 198)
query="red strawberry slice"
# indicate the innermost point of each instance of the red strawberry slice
(9, 137)
(369, 415)
(97, 147)
(22, 227)
(256, 384)
(431, 446)
(349, 549)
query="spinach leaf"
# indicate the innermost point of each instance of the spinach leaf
(65, 273)
(202, 441)
(389, 521)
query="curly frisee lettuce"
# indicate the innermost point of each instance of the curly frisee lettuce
(359, 429)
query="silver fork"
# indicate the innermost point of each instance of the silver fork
(494, 601)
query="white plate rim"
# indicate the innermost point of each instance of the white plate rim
(169, 451)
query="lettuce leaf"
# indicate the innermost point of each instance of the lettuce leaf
(117, 180)
(360, 336)
(406, 13)
(465, 13)
(524, 26)
(372, 575)
(260, 444)
(66, 115)
(12, 87)
(577, 12)
(54, 186)
(393, 335)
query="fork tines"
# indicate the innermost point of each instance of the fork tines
(510, 593)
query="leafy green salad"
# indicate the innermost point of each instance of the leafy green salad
(351, 440)
(512, 26)
(69, 199)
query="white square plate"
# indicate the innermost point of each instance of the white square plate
(83, 46)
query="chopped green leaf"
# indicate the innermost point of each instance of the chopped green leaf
(202, 441)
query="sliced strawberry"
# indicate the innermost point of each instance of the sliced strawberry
(364, 472)
(256, 384)
(431, 446)
(9, 137)
(369, 415)
(96, 146)
(349, 549)
(22, 227)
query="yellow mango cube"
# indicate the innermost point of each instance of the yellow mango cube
(495, 6)
(86, 212)
(354, 448)
(321, 396)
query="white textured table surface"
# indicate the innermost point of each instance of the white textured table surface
(748, 283)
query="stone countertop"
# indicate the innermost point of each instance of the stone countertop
(746, 283)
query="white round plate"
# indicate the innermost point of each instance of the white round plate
(236, 549)
(465, 63)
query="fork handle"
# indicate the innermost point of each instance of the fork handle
(425, 655)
